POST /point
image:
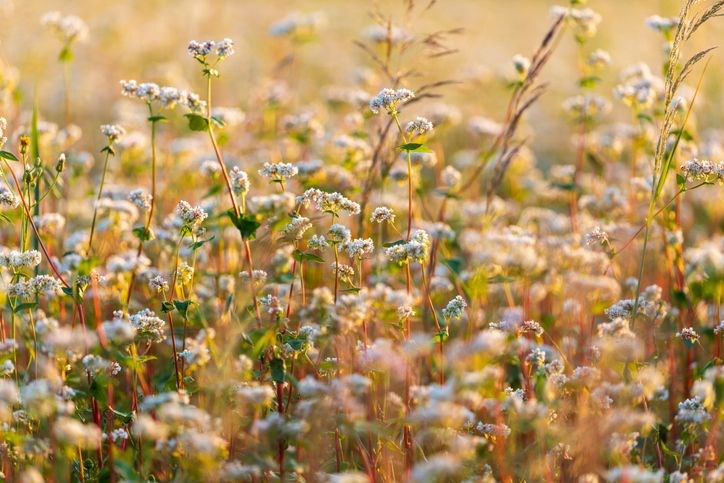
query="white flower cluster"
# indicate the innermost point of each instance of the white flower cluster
(158, 284)
(419, 126)
(703, 170)
(295, 229)
(39, 284)
(201, 50)
(688, 334)
(585, 21)
(8, 199)
(382, 214)
(455, 308)
(416, 249)
(278, 171)
(148, 326)
(166, 96)
(662, 24)
(328, 202)
(16, 260)
(339, 233)
(390, 99)
(140, 198)
(359, 248)
(113, 132)
(191, 216)
(68, 28)
(239, 181)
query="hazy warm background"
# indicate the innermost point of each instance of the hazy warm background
(146, 40)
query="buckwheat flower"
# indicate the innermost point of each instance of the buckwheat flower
(192, 101)
(482, 126)
(688, 335)
(169, 96)
(382, 214)
(260, 277)
(451, 177)
(318, 242)
(239, 181)
(200, 49)
(596, 236)
(382, 34)
(345, 272)
(140, 198)
(598, 59)
(531, 326)
(521, 64)
(719, 328)
(405, 312)
(3, 127)
(119, 330)
(662, 24)
(190, 215)
(389, 100)
(295, 229)
(493, 430)
(68, 28)
(49, 223)
(703, 171)
(692, 411)
(158, 284)
(7, 198)
(419, 126)
(76, 434)
(148, 326)
(339, 233)
(358, 248)
(224, 48)
(586, 106)
(455, 308)
(119, 434)
(17, 260)
(278, 171)
(113, 132)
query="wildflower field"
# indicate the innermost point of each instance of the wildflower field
(331, 241)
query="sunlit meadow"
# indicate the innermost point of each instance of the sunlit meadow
(332, 241)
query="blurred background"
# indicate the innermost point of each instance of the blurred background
(146, 40)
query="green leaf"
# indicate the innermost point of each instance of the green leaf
(25, 306)
(301, 256)
(167, 307)
(66, 55)
(443, 335)
(197, 122)
(143, 233)
(218, 121)
(278, 369)
(412, 147)
(454, 264)
(198, 244)
(246, 224)
(680, 180)
(351, 290)
(588, 82)
(157, 118)
(8, 155)
(109, 150)
(183, 307)
(685, 135)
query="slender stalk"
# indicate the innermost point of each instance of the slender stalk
(98, 199)
(237, 211)
(149, 219)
